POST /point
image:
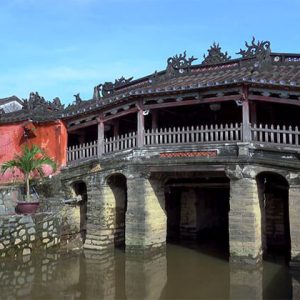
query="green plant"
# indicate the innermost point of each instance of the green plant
(31, 160)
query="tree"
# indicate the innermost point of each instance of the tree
(31, 160)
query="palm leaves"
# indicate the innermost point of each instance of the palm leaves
(31, 160)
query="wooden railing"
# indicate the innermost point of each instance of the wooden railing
(82, 151)
(192, 135)
(122, 142)
(270, 134)
(280, 135)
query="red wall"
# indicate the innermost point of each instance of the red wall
(51, 137)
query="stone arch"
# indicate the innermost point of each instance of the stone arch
(273, 194)
(79, 190)
(116, 196)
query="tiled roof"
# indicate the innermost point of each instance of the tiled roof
(266, 69)
(10, 99)
(276, 74)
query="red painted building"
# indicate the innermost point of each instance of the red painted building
(37, 124)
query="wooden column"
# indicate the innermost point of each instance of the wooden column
(253, 114)
(140, 125)
(100, 136)
(116, 127)
(154, 114)
(246, 116)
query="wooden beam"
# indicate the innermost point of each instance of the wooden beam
(120, 114)
(82, 125)
(193, 102)
(274, 100)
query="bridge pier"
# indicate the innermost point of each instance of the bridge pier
(146, 222)
(294, 211)
(101, 216)
(245, 240)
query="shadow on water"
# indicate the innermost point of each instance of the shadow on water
(181, 271)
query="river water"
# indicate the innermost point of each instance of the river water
(179, 272)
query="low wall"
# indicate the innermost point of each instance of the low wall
(9, 196)
(21, 234)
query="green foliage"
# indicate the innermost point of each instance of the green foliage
(32, 159)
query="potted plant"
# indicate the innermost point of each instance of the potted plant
(30, 162)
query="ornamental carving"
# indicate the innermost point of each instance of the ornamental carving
(77, 98)
(34, 101)
(56, 104)
(215, 55)
(260, 50)
(108, 88)
(37, 102)
(179, 64)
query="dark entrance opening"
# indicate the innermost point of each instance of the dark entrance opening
(80, 189)
(274, 195)
(118, 186)
(197, 210)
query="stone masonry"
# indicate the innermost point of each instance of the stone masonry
(294, 213)
(101, 216)
(244, 220)
(146, 221)
(21, 234)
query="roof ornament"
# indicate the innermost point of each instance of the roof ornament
(77, 98)
(176, 65)
(179, 64)
(38, 103)
(56, 104)
(260, 50)
(34, 101)
(121, 81)
(108, 88)
(215, 55)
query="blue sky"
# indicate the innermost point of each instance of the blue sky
(63, 47)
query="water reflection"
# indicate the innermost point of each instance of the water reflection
(180, 272)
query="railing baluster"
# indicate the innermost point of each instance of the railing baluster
(278, 134)
(283, 134)
(226, 132)
(254, 132)
(217, 133)
(290, 135)
(272, 133)
(221, 132)
(231, 132)
(206, 133)
(296, 136)
(260, 133)
(266, 134)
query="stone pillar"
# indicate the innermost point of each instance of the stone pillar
(188, 218)
(294, 214)
(101, 217)
(146, 222)
(245, 241)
